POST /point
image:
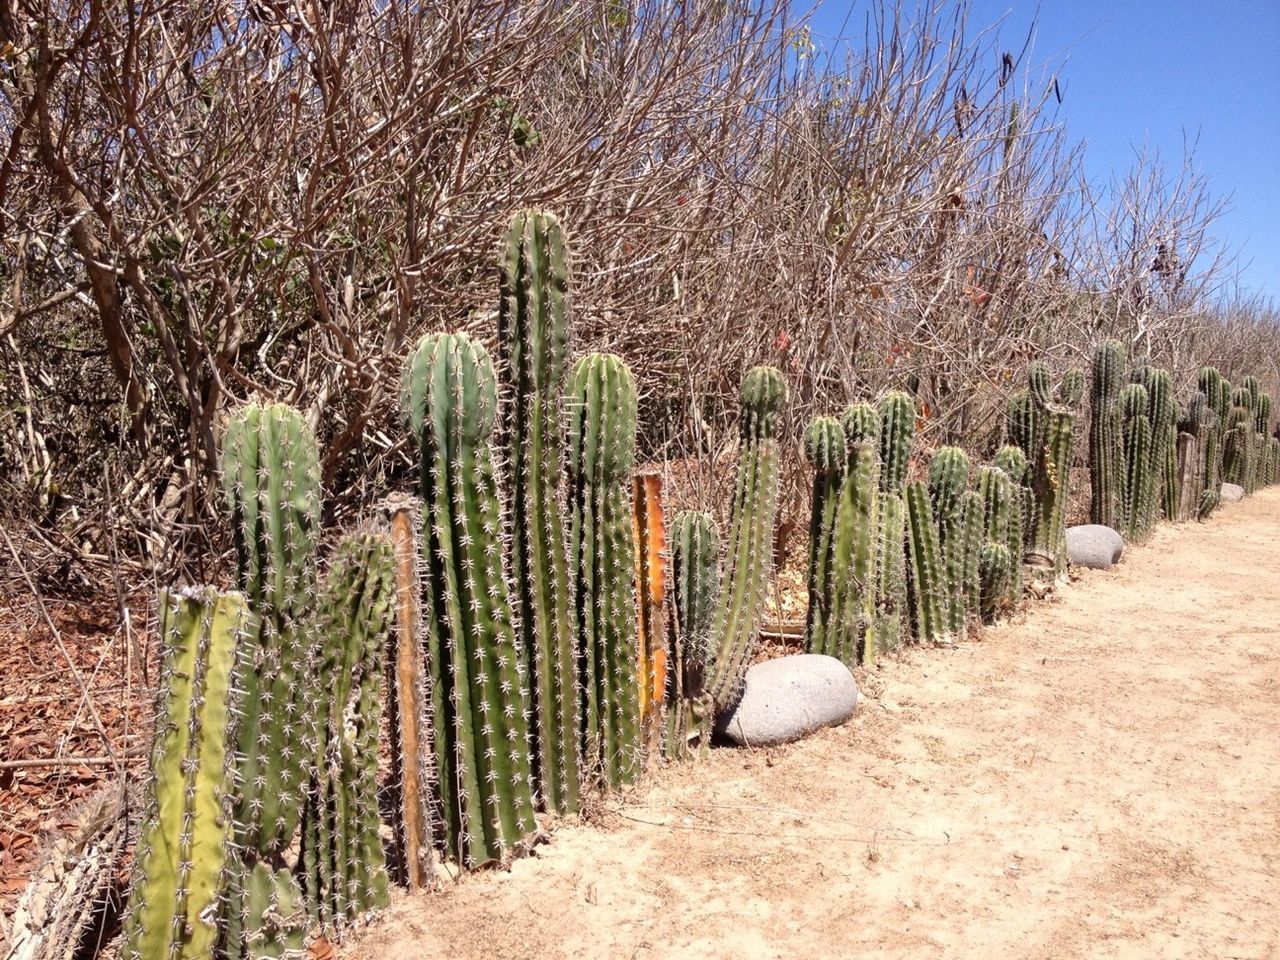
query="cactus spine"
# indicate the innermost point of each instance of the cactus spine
(479, 697)
(824, 448)
(182, 847)
(735, 627)
(534, 339)
(948, 482)
(344, 865)
(1106, 448)
(925, 566)
(602, 451)
(695, 551)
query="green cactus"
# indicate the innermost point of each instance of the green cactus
(925, 567)
(602, 453)
(178, 871)
(271, 476)
(948, 482)
(1160, 411)
(974, 535)
(1209, 501)
(1012, 462)
(1217, 395)
(275, 922)
(861, 423)
(1139, 482)
(1039, 383)
(1251, 386)
(735, 628)
(897, 429)
(850, 634)
(824, 446)
(1237, 461)
(1262, 414)
(1071, 389)
(891, 580)
(1026, 426)
(479, 693)
(1106, 447)
(994, 567)
(344, 865)
(1052, 490)
(533, 334)
(695, 551)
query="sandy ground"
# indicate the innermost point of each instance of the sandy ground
(1099, 778)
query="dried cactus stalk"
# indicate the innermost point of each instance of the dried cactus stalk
(344, 865)
(651, 596)
(601, 457)
(695, 552)
(478, 682)
(735, 628)
(178, 871)
(533, 334)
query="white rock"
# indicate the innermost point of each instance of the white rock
(1094, 546)
(790, 697)
(1232, 493)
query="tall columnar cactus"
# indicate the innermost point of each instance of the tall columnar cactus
(344, 865)
(850, 634)
(861, 423)
(948, 481)
(651, 599)
(1039, 383)
(1139, 482)
(1052, 488)
(271, 476)
(479, 694)
(1217, 395)
(533, 336)
(1071, 388)
(897, 428)
(1262, 414)
(1026, 425)
(178, 869)
(1012, 462)
(925, 565)
(891, 572)
(1160, 411)
(1237, 460)
(695, 553)
(1106, 446)
(735, 628)
(602, 454)
(995, 565)
(824, 448)
(973, 527)
(1251, 386)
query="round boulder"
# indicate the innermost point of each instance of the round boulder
(1094, 546)
(1232, 493)
(788, 698)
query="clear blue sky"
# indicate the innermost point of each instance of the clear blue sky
(1138, 72)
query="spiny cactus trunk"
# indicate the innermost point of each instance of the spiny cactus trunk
(825, 449)
(1137, 450)
(602, 444)
(1052, 485)
(275, 921)
(891, 586)
(344, 865)
(851, 637)
(948, 482)
(925, 568)
(479, 694)
(1106, 448)
(178, 871)
(271, 476)
(695, 551)
(994, 567)
(534, 338)
(973, 529)
(736, 627)
(651, 598)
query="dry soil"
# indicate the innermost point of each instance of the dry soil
(1097, 778)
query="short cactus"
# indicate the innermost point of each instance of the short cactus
(695, 551)
(994, 566)
(479, 694)
(533, 338)
(735, 628)
(344, 866)
(601, 458)
(178, 870)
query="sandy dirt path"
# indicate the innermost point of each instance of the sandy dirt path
(1098, 778)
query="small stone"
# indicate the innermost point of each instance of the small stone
(1232, 493)
(1094, 546)
(790, 697)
